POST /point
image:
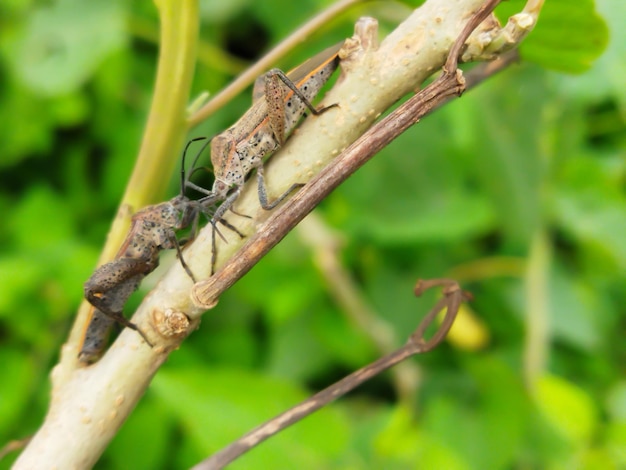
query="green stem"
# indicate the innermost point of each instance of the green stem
(537, 309)
(165, 129)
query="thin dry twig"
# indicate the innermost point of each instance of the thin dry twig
(263, 64)
(88, 405)
(346, 293)
(13, 446)
(418, 343)
(450, 83)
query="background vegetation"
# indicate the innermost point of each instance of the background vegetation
(517, 190)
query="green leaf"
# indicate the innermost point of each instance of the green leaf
(400, 439)
(294, 351)
(286, 285)
(218, 11)
(18, 373)
(569, 35)
(150, 429)
(576, 313)
(612, 66)
(493, 404)
(17, 277)
(503, 148)
(616, 401)
(40, 209)
(26, 128)
(63, 44)
(597, 222)
(344, 341)
(569, 409)
(217, 406)
(413, 191)
(616, 443)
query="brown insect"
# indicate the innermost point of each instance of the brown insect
(152, 230)
(280, 100)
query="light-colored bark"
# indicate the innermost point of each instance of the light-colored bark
(90, 404)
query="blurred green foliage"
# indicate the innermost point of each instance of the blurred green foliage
(532, 154)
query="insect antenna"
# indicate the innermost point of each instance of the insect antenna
(188, 183)
(184, 182)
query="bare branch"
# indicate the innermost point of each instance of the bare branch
(417, 344)
(89, 405)
(351, 301)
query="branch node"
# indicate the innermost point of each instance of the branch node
(453, 295)
(170, 323)
(364, 42)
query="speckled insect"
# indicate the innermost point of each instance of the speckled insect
(279, 102)
(152, 230)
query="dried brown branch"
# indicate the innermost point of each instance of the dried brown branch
(352, 303)
(13, 446)
(89, 404)
(418, 343)
(450, 83)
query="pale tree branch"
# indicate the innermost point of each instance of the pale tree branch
(273, 228)
(89, 405)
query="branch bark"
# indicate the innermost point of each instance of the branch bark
(90, 404)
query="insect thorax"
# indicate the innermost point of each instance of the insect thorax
(251, 152)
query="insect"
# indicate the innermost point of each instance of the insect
(152, 229)
(279, 101)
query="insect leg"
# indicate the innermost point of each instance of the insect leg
(179, 253)
(95, 337)
(112, 284)
(218, 217)
(262, 190)
(286, 80)
(117, 316)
